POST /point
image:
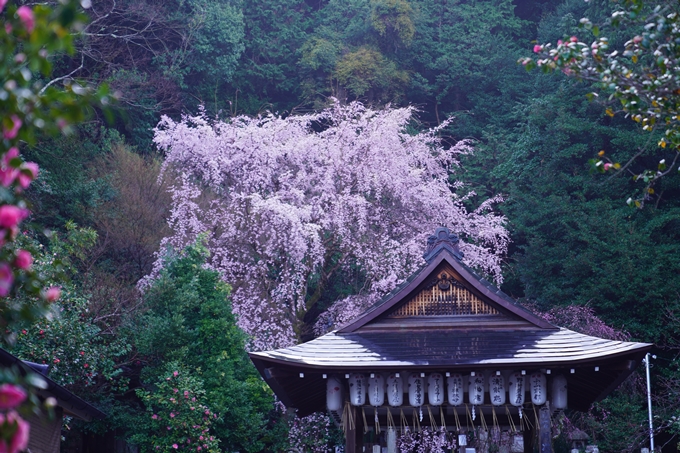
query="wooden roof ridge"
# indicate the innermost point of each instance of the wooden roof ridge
(443, 247)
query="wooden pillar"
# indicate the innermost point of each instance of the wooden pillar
(544, 432)
(351, 432)
(360, 431)
(354, 438)
(528, 435)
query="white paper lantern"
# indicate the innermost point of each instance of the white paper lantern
(435, 389)
(334, 393)
(376, 390)
(559, 392)
(395, 390)
(538, 388)
(455, 389)
(476, 389)
(516, 388)
(497, 390)
(416, 390)
(357, 389)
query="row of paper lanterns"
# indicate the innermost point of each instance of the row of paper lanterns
(378, 389)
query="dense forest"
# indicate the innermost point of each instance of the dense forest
(152, 239)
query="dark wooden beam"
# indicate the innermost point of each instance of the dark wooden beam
(352, 431)
(544, 431)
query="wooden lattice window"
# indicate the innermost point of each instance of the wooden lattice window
(444, 296)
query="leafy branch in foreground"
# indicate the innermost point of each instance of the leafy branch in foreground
(643, 75)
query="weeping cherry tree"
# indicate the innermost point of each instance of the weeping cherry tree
(297, 207)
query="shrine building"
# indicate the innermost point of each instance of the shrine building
(448, 351)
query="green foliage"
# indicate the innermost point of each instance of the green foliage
(189, 322)
(367, 69)
(266, 77)
(70, 339)
(576, 241)
(641, 75)
(66, 190)
(26, 54)
(178, 417)
(393, 20)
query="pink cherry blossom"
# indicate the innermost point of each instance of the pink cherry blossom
(26, 15)
(23, 260)
(12, 132)
(363, 192)
(11, 396)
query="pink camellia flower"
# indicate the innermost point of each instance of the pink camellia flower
(175, 446)
(11, 422)
(16, 124)
(6, 279)
(2, 4)
(27, 173)
(52, 294)
(23, 260)
(537, 48)
(11, 215)
(154, 417)
(607, 166)
(26, 15)
(11, 396)
(8, 173)
(573, 39)
(172, 415)
(175, 373)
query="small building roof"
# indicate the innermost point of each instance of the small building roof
(446, 318)
(72, 404)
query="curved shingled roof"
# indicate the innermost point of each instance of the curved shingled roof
(491, 333)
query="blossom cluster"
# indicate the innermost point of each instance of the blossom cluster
(14, 430)
(315, 433)
(178, 420)
(298, 201)
(426, 440)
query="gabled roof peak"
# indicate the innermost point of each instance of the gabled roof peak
(442, 239)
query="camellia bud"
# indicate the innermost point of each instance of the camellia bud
(52, 294)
